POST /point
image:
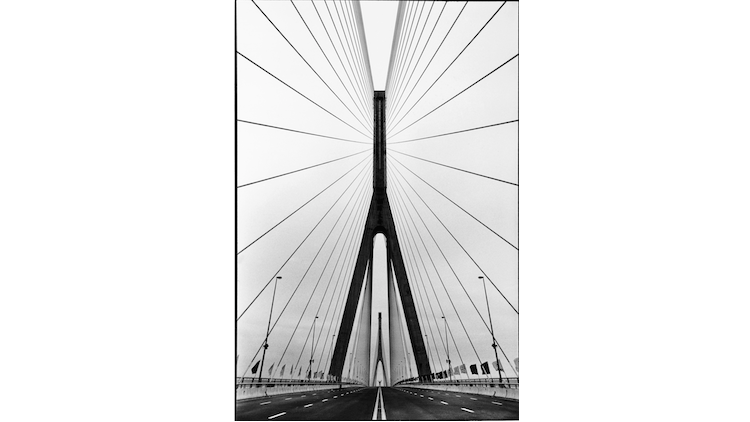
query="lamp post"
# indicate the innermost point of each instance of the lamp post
(492, 331)
(351, 363)
(408, 364)
(427, 340)
(312, 349)
(268, 330)
(331, 356)
(448, 350)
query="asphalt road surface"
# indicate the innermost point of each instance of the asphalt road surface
(363, 403)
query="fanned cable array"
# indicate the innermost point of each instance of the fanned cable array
(306, 165)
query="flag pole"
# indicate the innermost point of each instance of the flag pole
(492, 331)
(268, 330)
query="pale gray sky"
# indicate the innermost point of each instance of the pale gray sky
(264, 152)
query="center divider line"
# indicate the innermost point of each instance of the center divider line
(277, 415)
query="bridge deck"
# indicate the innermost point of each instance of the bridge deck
(361, 403)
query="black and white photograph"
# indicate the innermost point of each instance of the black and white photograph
(283, 210)
(377, 210)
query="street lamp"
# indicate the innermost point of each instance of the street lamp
(427, 340)
(492, 331)
(312, 349)
(268, 330)
(448, 350)
(331, 357)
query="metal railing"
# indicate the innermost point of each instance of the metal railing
(277, 382)
(483, 382)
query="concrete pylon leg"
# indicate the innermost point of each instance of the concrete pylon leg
(399, 351)
(362, 352)
(380, 220)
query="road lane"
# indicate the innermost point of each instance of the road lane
(476, 406)
(261, 408)
(358, 403)
(355, 404)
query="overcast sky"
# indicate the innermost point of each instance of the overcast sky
(264, 152)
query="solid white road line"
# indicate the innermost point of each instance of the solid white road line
(494, 402)
(443, 402)
(308, 405)
(265, 402)
(277, 415)
(467, 410)
(379, 405)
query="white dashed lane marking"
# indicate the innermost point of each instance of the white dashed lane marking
(308, 405)
(443, 402)
(265, 402)
(288, 398)
(277, 415)
(467, 410)
(429, 398)
(472, 398)
(324, 400)
(499, 404)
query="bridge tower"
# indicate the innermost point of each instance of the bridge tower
(380, 220)
(379, 358)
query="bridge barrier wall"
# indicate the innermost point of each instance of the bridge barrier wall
(247, 391)
(487, 390)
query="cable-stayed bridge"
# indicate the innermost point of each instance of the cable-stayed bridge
(377, 218)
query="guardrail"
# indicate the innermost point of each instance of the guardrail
(495, 387)
(478, 382)
(249, 387)
(269, 382)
